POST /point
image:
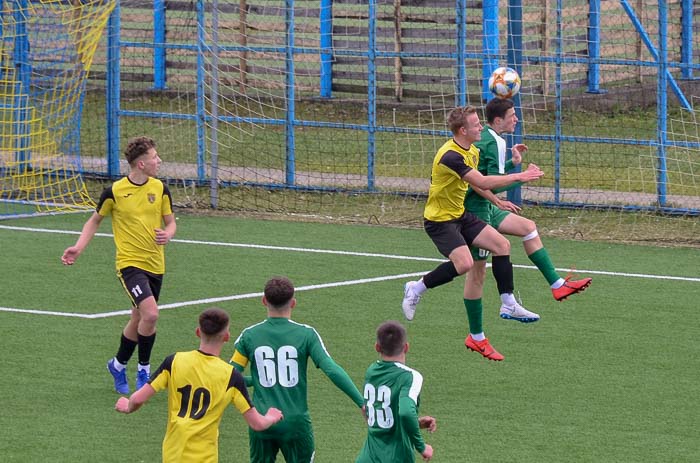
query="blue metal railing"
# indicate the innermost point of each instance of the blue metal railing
(489, 56)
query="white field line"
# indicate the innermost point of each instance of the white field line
(213, 300)
(303, 288)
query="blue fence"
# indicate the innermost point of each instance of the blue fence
(558, 53)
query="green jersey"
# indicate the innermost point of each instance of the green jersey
(492, 161)
(278, 350)
(392, 396)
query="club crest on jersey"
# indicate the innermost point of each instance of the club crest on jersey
(151, 198)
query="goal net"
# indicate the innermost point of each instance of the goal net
(334, 110)
(46, 52)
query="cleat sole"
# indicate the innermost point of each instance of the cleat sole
(521, 320)
(487, 358)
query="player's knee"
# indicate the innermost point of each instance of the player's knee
(476, 280)
(463, 267)
(531, 236)
(148, 313)
(149, 318)
(479, 272)
(501, 247)
(530, 231)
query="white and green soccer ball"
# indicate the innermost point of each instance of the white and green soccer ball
(504, 82)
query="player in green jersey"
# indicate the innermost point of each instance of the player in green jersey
(278, 350)
(454, 230)
(143, 222)
(200, 386)
(392, 397)
(503, 215)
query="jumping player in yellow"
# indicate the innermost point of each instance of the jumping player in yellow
(200, 386)
(142, 223)
(453, 230)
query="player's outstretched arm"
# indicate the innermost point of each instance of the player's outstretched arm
(341, 379)
(258, 422)
(530, 174)
(89, 229)
(490, 182)
(137, 399)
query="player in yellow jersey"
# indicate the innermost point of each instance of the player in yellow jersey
(200, 386)
(453, 230)
(142, 222)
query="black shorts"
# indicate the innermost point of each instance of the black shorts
(140, 284)
(452, 234)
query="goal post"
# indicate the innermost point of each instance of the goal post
(45, 56)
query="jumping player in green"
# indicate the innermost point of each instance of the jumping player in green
(278, 350)
(392, 396)
(454, 230)
(503, 215)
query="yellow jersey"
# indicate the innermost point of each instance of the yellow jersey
(137, 210)
(447, 189)
(200, 387)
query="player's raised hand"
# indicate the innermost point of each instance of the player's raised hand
(70, 255)
(517, 150)
(531, 173)
(427, 453)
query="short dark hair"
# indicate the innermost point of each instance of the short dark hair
(497, 107)
(137, 147)
(278, 292)
(458, 118)
(391, 337)
(213, 321)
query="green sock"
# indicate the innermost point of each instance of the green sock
(474, 315)
(541, 259)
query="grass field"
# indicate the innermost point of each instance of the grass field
(610, 375)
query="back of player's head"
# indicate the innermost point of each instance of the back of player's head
(458, 118)
(137, 147)
(497, 107)
(213, 322)
(391, 338)
(279, 291)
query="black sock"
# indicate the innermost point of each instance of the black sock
(145, 348)
(503, 271)
(126, 350)
(444, 273)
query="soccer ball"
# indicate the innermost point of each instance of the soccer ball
(504, 82)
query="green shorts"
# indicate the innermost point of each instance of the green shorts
(492, 216)
(297, 447)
